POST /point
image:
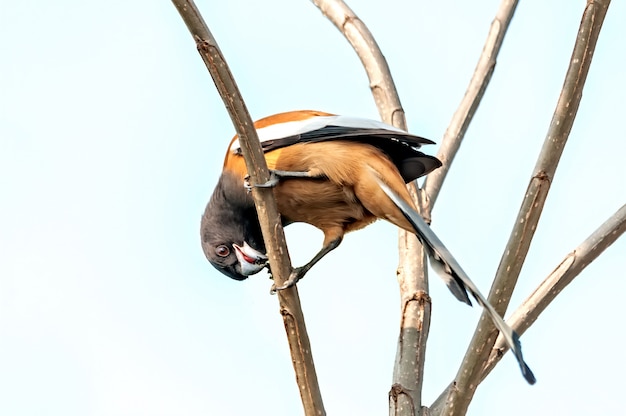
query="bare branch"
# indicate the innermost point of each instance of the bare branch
(469, 375)
(375, 64)
(405, 394)
(571, 266)
(473, 95)
(265, 203)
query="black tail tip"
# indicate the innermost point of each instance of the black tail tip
(517, 351)
(528, 374)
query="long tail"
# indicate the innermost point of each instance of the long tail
(457, 280)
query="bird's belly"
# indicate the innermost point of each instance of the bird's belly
(320, 203)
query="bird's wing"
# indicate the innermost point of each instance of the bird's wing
(286, 129)
(322, 126)
(457, 280)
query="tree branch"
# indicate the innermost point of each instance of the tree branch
(473, 95)
(363, 42)
(268, 214)
(405, 394)
(571, 266)
(416, 306)
(469, 375)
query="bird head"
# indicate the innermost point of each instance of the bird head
(234, 260)
(230, 231)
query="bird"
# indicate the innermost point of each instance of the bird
(339, 174)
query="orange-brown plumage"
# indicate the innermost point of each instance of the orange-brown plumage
(341, 158)
(345, 201)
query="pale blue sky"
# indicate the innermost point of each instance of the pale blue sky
(112, 138)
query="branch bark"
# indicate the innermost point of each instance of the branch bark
(457, 399)
(473, 95)
(405, 393)
(405, 396)
(268, 214)
(363, 42)
(571, 266)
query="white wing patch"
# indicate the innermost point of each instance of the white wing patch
(293, 128)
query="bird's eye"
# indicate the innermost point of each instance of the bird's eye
(222, 251)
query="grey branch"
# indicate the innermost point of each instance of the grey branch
(473, 95)
(405, 394)
(375, 64)
(265, 203)
(469, 375)
(571, 266)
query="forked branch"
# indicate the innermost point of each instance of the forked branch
(456, 400)
(571, 266)
(405, 394)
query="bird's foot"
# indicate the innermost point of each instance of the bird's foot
(295, 276)
(273, 181)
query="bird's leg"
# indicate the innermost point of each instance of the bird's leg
(299, 272)
(277, 175)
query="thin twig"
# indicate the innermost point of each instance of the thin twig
(265, 203)
(571, 266)
(405, 394)
(469, 375)
(473, 95)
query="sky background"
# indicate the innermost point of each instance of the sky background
(112, 138)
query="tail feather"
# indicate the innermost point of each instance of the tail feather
(456, 279)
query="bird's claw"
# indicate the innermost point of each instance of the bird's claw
(246, 183)
(294, 278)
(271, 182)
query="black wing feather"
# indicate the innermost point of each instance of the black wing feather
(402, 148)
